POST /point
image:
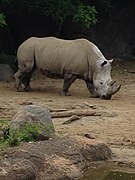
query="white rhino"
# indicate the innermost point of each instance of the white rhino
(69, 59)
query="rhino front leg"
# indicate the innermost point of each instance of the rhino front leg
(91, 88)
(68, 80)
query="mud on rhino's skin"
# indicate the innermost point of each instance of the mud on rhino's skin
(70, 59)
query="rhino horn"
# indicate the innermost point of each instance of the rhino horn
(114, 88)
(112, 82)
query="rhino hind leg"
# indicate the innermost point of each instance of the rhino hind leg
(91, 88)
(23, 76)
(18, 82)
(26, 82)
(68, 80)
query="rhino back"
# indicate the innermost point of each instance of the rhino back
(60, 56)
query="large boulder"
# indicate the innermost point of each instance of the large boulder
(33, 115)
(6, 73)
(10, 60)
(64, 158)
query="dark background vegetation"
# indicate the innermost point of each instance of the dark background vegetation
(112, 28)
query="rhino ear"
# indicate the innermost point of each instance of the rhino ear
(103, 63)
(111, 61)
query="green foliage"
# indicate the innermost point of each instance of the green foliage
(59, 10)
(30, 132)
(85, 15)
(2, 19)
(3, 128)
(2, 16)
(3, 122)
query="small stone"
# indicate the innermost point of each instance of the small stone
(90, 136)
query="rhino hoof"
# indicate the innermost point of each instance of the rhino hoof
(62, 93)
(27, 89)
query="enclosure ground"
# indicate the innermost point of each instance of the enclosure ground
(115, 124)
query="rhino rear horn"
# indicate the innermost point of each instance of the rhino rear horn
(112, 82)
(111, 61)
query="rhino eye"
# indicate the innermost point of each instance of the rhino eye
(101, 82)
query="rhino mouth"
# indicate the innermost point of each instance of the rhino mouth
(108, 96)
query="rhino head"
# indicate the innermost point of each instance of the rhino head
(104, 86)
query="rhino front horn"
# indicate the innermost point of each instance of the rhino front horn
(114, 89)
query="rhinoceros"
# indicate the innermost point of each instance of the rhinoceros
(68, 59)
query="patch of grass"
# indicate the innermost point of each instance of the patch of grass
(3, 141)
(3, 122)
(30, 132)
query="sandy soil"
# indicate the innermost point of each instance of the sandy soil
(115, 126)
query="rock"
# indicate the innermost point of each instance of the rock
(21, 170)
(6, 73)
(32, 114)
(63, 158)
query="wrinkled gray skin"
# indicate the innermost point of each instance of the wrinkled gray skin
(68, 59)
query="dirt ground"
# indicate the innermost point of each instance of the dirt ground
(115, 126)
